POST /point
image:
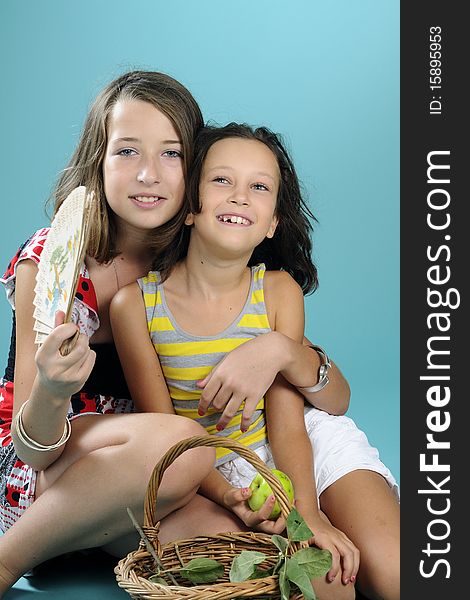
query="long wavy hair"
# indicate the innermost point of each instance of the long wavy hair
(290, 249)
(86, 165)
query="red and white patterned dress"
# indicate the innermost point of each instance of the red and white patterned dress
(18, 480)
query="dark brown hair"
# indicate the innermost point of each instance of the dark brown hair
(290, 249)
(86, 165)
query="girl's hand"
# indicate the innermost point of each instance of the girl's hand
(344, 553)
(60, 375)
(244, 375)
(235, 499)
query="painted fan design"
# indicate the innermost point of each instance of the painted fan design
(61, 260)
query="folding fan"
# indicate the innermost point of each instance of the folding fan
(59, 267)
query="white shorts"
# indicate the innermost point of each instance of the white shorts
(339, 447)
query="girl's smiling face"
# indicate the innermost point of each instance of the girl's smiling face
(143, 165)
(238, 195)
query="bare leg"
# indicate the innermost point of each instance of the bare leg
(201, 516)
(362, 505)
(83, 497)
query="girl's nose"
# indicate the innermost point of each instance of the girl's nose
(148, 173)
(239, 197)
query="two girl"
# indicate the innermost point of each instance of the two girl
(134, 151)
(46, 488)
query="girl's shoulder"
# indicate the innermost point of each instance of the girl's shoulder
(30, 249)
(281, 283)
(281, 291)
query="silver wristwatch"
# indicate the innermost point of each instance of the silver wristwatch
(322, 372)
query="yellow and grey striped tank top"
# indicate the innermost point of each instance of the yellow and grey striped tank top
(187, 358)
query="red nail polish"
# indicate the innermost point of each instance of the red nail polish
(219, 427)
(353, 578)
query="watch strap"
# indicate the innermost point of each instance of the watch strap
(325, 365)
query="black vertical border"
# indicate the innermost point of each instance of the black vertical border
(422, 132)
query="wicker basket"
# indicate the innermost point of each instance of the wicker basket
(132, 572)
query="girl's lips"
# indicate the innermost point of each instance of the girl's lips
(147, 201)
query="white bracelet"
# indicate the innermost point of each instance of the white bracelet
(322, 373)
(32, 444)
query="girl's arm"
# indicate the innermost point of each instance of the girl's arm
(334, 397)
(288, 438)
(292, 453)
(247, 372)
(44, 377)
(138, 357)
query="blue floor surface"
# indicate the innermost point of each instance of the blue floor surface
(74, 577)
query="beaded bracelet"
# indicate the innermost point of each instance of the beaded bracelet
(30, 443)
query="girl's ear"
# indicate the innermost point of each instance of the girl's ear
(189, 219)
(272, 228)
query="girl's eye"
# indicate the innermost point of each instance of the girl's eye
(173, 154)
(260, 186)
(126, 152)
(220, 180)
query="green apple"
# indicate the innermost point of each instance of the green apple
(261, 490)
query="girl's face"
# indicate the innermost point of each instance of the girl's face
(238, 195)
(143, 165)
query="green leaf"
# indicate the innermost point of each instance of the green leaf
(260, 573)
(244, 565)
(298, 575)
(202, 570)
(297, 529)
(280, 542)
(157, 579)
(313, 561)
(284, 585)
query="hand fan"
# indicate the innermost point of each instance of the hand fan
(59, 267)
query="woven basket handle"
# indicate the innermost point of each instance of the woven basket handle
(150, 503)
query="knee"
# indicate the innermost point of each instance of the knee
(186, 428)
(196, 459)
(164, 428)
(348, 592)
(335, 590)
(381, 583)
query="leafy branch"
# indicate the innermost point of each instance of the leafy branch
(297, 568)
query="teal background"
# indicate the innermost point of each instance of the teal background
(325, 74)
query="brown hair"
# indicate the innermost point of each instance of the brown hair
(86, 165)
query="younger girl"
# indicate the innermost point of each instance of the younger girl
(210, 296)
